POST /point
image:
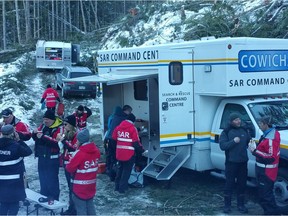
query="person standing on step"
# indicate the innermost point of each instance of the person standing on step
(234, 141)
(12, 188)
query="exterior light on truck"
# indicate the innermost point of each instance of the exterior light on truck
(208, 68)
(229, 46)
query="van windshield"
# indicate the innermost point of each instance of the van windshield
(278, 110)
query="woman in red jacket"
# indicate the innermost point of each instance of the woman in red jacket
(68, 144)
(83, 167)
(267, 155)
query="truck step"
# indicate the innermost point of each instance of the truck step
(162, 163)
(151, 173)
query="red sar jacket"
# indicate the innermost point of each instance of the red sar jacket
(51, 95)
(83, 167)
(267, 155)
(126, 134)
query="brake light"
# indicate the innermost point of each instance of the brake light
(93, 83)
(70, 83)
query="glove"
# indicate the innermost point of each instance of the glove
(252, 145)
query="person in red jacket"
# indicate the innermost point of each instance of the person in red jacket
(20, 127)
(51, 96)
(83, 167)
(128, 144)
(267, 155)
(67, 142)
(82, 114)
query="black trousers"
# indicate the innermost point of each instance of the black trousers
(11, 208)
(111, 159)
(236, 177)
(265, 193)
(123, 174)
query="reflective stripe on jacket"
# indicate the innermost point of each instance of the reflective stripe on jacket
(125, 134)
(267, 155)
(83, 167)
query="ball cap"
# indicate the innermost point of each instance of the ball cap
(6, 113)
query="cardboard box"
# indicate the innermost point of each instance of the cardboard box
(101, 168)
(141, 124)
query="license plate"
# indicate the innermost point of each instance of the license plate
(81, 87)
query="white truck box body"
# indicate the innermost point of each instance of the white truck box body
(191, 88)
(54, 55)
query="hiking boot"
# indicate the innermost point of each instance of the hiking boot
(242, 209)
(227, 204)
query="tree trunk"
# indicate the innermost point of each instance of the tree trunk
(4, 24)
(83, 16)
(27, 20)
(52, 20)
(94, 9)
(17, 22)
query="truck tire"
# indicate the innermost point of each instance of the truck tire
(281, 187)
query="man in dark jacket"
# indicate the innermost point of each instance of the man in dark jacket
(234, 141)
(12, 151)
(48, 152)
(119, 116)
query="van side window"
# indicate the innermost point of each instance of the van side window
(175, 73)
(240, 110)
(140, 90)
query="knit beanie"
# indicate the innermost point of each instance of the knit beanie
(80, 108)
(71, 120)
(7, 129)
(49, 114)
(83, 136)
(233, 116)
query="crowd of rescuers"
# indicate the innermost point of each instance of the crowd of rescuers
(56, 141)
(67, 140)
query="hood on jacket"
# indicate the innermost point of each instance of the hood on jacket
(89, 148)
(56, 123)
(5, 141)
(126, 124)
